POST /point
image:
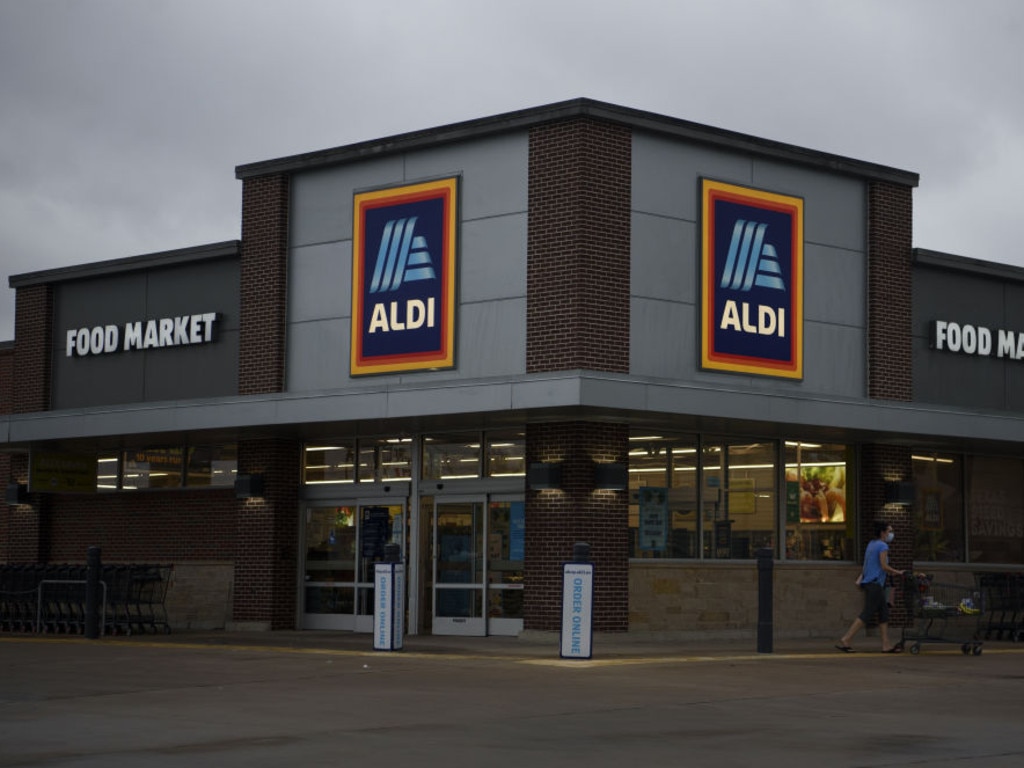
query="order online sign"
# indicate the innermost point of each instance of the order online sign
(403, 278)
(751, 280)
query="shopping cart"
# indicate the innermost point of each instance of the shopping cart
(147, 592)
(1003, 597)
(941, 613)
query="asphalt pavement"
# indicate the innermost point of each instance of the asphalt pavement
(328, 699)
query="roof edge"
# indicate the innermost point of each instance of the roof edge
(950, 261)
(224, 249)
(565, 110)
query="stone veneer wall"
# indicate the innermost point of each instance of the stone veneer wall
(721, 600)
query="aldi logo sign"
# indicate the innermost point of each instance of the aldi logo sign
(752, 281)
(403, 278)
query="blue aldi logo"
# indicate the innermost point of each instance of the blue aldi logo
(403, 278)
(752, 281)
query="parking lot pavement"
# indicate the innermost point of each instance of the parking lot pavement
(275, 699)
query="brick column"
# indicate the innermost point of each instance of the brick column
(264, 283)
(33, 331)
(6, 377)
(28, 391)
(26, 539)
(6, 476)
(577, 305)
(577, 317)
(890, 230)
(265, 551)
(890, 368)
(881, 464)
(557, 519)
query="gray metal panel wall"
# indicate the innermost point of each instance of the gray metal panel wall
(958, 379)
(172, 373)
(491, 313)
(665, 272)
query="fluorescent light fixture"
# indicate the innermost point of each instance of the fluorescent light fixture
(935, 459)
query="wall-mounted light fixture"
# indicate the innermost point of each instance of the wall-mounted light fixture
(544, 475)
(17, 493)
(899, 493)
(611, 477)
(248, 486)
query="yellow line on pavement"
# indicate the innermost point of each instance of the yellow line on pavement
(595, 662)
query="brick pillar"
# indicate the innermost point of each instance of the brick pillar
(6, 377)
(265, 552)
(577, 277)
(890, 230)
(556, 519)
(26, 538)
(33, 332)
(890, 368)
(28, 391)
(881, 464)
(577, 317)
(263, 290)
(6, 476)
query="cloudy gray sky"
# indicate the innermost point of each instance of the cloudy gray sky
(121, 121)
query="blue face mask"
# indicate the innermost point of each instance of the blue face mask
(889, 537)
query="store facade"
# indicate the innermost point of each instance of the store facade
(488, 341)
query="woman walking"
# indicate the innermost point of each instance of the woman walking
(876, 568)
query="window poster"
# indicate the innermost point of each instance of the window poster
(653, 530)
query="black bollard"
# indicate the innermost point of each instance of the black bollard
(765, 599)
(92, 593)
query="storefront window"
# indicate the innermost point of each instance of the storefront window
(506, 454)
(995, 510)
(819, 519)
(721, 500)
(153, 468)
(663, 496)
(199, 466)
(451, 457)
(385, 458)
(739, 498)
(333, 463)
(938, 508)
(212, 465)
(107, 472)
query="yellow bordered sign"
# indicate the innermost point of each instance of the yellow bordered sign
(404, 250)
(752, 273)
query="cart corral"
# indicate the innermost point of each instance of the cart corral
(51, 598)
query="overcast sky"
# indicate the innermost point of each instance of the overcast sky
(121, 121)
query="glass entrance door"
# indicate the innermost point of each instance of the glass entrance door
(458, 545)
(343, 542)
(506, 531)
(477, 576)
